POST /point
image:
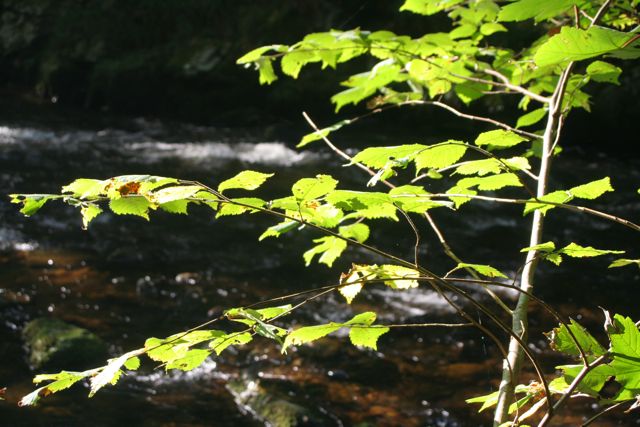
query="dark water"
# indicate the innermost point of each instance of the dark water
(126, 279)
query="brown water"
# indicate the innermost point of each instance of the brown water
(126, 280)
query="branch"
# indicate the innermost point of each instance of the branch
(506, 83)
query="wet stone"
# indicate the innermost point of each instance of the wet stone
(55, 345)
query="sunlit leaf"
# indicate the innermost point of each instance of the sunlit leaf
(522, 10)
(190, 360)
(576, 251)
(134, 205)
(622, 262)
(247, 204)
(439, 156)
(531, 118)
(329, 248)
(499, 139)
(485, 270)
(89, 213)
(312, 188)
(592, 190)
(367, 336)
(604, 72)
(574, 44)
(246, 180)
(562, 341)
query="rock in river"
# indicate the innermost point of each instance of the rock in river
(55, 345)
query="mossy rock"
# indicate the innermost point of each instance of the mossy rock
(56, 345)
(272, 409)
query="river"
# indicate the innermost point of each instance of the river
(126, 279)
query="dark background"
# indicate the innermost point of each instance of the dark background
(175, 59)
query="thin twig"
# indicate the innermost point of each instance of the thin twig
(516, 88)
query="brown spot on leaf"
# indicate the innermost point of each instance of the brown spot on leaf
(129, 188)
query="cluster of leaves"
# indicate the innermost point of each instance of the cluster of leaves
(602, 369)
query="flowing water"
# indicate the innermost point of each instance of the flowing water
(126, 279)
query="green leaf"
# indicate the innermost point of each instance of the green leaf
(255, 54)
(542, 247)
(31, 203)
(309, 334)
(531, 118)
(246, 180)
(349, 292)
(322, 133)
(176, 207)
(171, 194)
(133, 363)
(359, 232)
(439, 155)
(460, 200)
(85, 188)
(574, 44)
(399, 277)
(463, 31)
(625, 349)
(592, 190)
(576, 251)
(61, 381)
(89, 212)
(312, 188)
(329, 248)
(190, 360)
(367, 336)
(378, 157)
(491, 27)
(485, 270)
(227, 209)
(131, 205)
(411, 198)
(222, 343)
(428, 7)
(494, 166)
(357, 200)
(109, 375)
(499, 139)
(522, 10)
(561, 340)
(292, 62)
(265, 69)
(622, 262)
(491, 182)
(555, 197)
(279, 229)
(604, 72)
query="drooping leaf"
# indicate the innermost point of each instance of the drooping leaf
(60, 381)
(604, 72)
(491, 27)
(31, 203)
(89, 213)
(542, 247)
(131, 205)
(349, 292)
(219, 344)
(190, 360)
(561, 340)
(246, 180)
(625, 349)
(109, 375)
(176, 207)
(359, 232)
(329, 248)
(367, 336)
